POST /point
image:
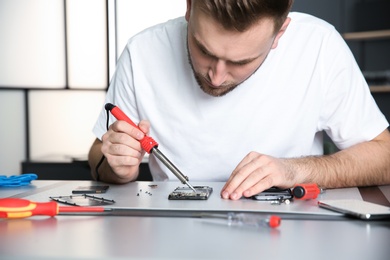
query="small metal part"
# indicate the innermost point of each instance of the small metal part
(280, 201)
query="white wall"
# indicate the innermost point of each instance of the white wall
(63, 99)
(12, 131)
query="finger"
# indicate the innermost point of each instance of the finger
(258, 186)
(144, 125)
(116, 161)
(255, 182)
(120, 144)
(121, 165)
(243, 162)
(272, 174)
(112, 137)
(124, 127)
(233, 188)
(118, 149)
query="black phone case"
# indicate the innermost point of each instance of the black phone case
(273, 194)
(94, 189)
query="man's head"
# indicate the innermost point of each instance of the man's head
(228, 40)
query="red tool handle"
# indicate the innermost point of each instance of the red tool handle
(21, 208)
(306, 191)
(147, 143)
(274, 221)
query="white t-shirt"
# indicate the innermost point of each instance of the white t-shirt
(308, 84)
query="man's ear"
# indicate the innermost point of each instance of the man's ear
(280, 33)
(188, 11)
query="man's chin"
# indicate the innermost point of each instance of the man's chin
(216, 92)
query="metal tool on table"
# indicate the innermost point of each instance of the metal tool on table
(150, 145)
(14, 208)
(243, 219)
(21, 208)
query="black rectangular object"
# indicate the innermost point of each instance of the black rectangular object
(274, 194)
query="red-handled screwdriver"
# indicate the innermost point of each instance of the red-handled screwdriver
(150, 145)
(22, 208)
(306, 191)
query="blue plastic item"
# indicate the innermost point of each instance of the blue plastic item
(17, 180)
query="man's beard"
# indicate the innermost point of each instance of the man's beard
(200, 79)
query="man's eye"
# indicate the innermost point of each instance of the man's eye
(239, 63)
(204, 52)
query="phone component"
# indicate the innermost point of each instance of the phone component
(21, 208)
(274, 195)
(91, 189)
(150, 145)
(184, 193)
(83, 200)
(306, 191)
(146, 192)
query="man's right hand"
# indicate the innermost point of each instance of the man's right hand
(123, 152)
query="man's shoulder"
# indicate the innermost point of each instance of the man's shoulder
(309, 21)
(171, 27)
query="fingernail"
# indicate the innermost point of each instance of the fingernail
(140, 136)
(225, 195)
(234, 195)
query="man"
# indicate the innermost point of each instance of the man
(241, 91)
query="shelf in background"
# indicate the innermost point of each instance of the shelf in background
(369, 35)
(378, 89)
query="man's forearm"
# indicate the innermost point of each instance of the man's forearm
(364, 164)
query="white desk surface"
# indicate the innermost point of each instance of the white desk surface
(156, 237)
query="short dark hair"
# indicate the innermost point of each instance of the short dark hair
(240, 15)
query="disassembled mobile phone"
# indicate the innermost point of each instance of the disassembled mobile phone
(274, 194)
(357, 208)
(90, 189)
(185, 193)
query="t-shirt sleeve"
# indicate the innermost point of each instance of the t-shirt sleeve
(119, 93)
(350, 114)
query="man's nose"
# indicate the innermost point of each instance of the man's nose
(218, 72)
